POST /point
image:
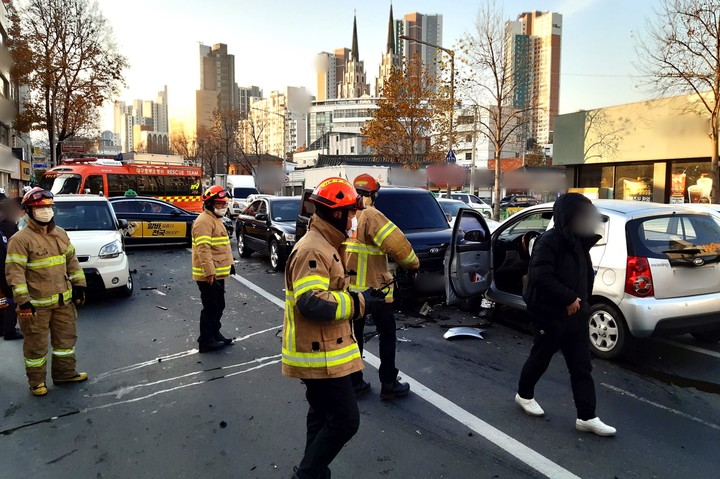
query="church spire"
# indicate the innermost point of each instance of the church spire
(354, 53)
(391, 33)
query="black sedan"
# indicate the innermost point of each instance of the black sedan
(152, 221)
(267, 226)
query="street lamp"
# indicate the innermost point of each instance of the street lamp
(284, 165)
(452, 87)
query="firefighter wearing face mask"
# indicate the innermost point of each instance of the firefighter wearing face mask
(366, 253)
(212, 262)
(47, 283)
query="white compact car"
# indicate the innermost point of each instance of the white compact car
(471, 200)
(97, 236)
(657, 269)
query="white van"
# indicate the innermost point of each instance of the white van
(240, 187)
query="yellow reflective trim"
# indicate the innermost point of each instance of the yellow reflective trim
(35, 363)
(198, 243)
(357, 289)
(359, 248)
(49, 301)
(305, 284)
(362, 270)
(321, 358)
(20, 288)
(343, 301)
(290, 321)
(77, 275)
(409, 259)
(16, 258)
(48, 262)
(70, 250)
(63, 352)
(384, 232)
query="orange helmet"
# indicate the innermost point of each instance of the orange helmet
(215, 192)
(37, 197)
(337, 193)
(366, 184)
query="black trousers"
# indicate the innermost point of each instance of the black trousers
(333, 419)
(571, 337)
(9, 319)
(213, 303)
(384, 320)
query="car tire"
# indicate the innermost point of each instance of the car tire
(277, 261)
(243, 250)
(128, 289)
(608, 332)
(711, 336)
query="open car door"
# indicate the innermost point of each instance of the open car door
(467, 258)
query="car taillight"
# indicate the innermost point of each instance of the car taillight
(638, 277)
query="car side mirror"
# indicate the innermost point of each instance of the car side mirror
(475, 236)
(261, 217)
(123, 224)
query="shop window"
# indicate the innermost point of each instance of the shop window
(634, 182)
(600, 177)
(690, 182)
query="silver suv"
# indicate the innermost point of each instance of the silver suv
(658, 269)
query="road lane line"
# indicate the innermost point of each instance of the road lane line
(689, 347)
(510, 445)
(170, 357)
(660, 406)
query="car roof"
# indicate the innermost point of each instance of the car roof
(636, 208)
(449, 200)
(77, 197)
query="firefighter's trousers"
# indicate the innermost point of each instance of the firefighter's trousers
(59, 323)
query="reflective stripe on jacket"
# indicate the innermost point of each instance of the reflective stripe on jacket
(211, 253)
(366, 254)
(317, 336)
(41, 266)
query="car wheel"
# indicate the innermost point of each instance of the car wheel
(243, 250)
(276, 259)
(127, 290)
(609, 335)
(711, 336)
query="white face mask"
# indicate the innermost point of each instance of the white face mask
(351, 232)
(44, 214)
(220, 212)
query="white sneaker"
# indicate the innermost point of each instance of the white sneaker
(530, 406)
(596, 426)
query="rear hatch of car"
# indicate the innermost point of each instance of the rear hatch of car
(681, 251)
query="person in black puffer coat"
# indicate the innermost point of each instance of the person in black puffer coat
(557, 294)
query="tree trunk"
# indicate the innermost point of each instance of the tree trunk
(715, 197)
(496, 189)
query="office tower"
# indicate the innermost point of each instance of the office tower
(218, 90)
(419, 26)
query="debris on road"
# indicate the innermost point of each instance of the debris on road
(161, 307)
(223, 424)
(148, 288)
(463, 332)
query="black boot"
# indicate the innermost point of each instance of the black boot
(222, 339)
(394, 390)
(361, 388)
(211, 346)
(13, 335)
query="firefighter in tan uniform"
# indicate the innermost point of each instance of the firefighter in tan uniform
(212, 262)
(318, 344)
(47, 283)
(366, 254)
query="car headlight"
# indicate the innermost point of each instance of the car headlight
(289, 237)
(111, 250)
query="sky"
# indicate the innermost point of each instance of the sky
(275, 43)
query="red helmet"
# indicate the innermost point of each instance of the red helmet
(366, 184)
(37, 197)
(215, 192)
(337, 193)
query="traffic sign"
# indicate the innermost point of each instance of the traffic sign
(450, 157)
(40, 166)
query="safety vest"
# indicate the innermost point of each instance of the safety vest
(366, 254)
(211, 252)
(318, 341)
(41, 266)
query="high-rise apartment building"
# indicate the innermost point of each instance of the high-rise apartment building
(144, 125)
(354, 82)
(218, 89)
(246, 95)
(330, 70)
(279, 122)
(419, 26)
(391, 59)
(533, 57)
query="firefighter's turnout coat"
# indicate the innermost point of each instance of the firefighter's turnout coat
(211, 253)
(318, 342)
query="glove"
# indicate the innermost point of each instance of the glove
(26, 311)
(374, 299)
(78, 295)
(232, 269)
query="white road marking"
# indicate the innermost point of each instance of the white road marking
(164, 359)
(660, 406)
(512, 446)
(689, 347)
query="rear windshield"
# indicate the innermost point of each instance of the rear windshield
(412, 210)
(244, 192)
(672, 236)
(451, 207)
(84, 215)
(285, 210)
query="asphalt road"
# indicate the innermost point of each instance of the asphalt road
(155, 408)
